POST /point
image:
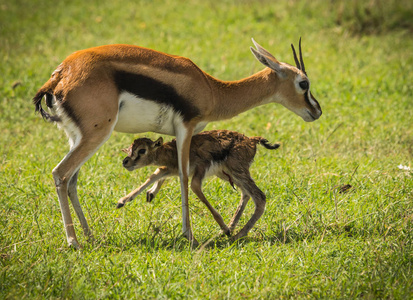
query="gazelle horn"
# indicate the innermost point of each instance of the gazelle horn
(299, 64)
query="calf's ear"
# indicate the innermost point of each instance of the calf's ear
(158, 142)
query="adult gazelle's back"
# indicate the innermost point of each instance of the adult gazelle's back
(133, 89)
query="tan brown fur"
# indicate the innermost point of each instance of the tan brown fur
(227, 154)
(93, 67)
(84, 94)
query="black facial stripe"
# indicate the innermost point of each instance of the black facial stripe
(307, 100)
(151, 89)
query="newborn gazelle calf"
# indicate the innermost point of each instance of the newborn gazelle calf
(225, 154)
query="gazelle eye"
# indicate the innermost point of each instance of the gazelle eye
(304, 85)
(142, 151)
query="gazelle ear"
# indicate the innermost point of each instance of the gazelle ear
(267, 59)
(259, 57)
(262, 50)
(158, 142)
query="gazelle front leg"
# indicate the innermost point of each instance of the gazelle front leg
(155, 177)
(184, 134)
(151, 193)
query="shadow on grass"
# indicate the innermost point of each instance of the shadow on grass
(179, 243)
(157, 238)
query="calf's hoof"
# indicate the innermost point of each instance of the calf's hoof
(149, 197)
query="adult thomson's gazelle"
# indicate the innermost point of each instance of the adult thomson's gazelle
(134, 89)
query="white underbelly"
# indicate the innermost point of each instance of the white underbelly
(214, 169)
(139, 115)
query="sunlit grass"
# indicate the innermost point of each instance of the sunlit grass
(314, 240)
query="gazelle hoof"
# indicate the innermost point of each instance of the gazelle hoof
(74, 244)
(90, 238)
(227, 231)
(192, 240)
(194, 244)
(236, 237)
(149, 197)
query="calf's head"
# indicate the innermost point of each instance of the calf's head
(140, 153)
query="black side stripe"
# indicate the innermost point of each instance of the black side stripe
(151, 89)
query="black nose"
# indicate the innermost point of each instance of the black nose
(126, 161)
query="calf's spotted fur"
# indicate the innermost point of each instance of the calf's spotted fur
(225, 154)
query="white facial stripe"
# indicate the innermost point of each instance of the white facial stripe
(300, 78)
(312, 101)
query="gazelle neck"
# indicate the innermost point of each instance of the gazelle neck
(234, 97)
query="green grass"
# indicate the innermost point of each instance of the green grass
(312, 242)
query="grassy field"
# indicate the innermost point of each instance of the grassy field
(313, 241)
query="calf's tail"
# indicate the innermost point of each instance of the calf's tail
(265, 143)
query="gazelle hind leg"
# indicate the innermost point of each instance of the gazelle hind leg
(61, 189)
(72, 192)
(64, 172)
(249, 187)
(151, 193)
(240, 210)
(88, 114)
